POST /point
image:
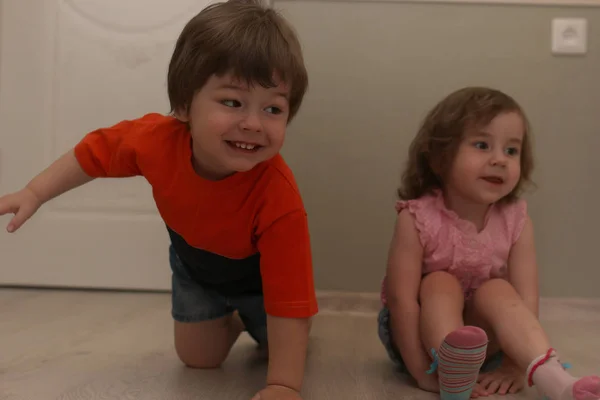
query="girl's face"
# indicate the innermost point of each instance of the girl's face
(487, 165)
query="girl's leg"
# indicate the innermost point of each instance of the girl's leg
(522, 338)
(472, 317)
(442, 303)
(460, 350)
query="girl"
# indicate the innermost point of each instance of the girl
(462, 276)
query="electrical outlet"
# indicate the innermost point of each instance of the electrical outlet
(569, 36)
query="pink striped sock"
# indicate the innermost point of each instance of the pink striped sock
(460, 358)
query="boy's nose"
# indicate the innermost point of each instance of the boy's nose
(251, 122)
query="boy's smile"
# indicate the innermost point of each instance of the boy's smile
(244, 146)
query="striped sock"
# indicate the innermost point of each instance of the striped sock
(460, 358)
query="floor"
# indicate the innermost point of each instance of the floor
(72, 345)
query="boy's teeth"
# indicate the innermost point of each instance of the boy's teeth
(245, 146)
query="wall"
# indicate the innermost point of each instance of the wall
(377, 67)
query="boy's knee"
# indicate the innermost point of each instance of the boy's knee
(204, 344)
(209, 360)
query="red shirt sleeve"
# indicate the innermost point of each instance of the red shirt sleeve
(112, 152)
(286, 267)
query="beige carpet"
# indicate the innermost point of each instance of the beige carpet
(72, 345)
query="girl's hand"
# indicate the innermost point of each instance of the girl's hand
(23, 204)
(429, 383)
(506, 379)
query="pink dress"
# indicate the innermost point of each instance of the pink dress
(454, 245)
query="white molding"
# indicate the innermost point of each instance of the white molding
(562, 3)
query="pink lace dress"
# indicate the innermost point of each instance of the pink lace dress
(454, 245)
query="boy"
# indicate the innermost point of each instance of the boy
(240, 252)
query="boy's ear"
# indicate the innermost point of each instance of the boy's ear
(181, 114)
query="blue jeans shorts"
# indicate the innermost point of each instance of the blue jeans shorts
(385, 335)
(192, 302)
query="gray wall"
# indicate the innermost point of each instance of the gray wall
(377, 67)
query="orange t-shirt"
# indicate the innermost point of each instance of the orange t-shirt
(247, 233)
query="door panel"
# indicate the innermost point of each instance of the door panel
(68, 67)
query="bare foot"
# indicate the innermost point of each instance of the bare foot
(507, 378)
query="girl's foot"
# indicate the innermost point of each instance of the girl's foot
(460, 358)
(555, 383)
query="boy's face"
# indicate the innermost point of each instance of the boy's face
(234, 126)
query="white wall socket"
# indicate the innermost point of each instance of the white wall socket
(569, 36)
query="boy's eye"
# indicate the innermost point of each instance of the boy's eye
(480, 145)
(231, 103)
(274, 110)
(512, 151)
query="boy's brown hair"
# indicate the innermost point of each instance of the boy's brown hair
(242, 37)
(433, 150)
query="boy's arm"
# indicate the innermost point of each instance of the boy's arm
(523, 269)
(404, 272)
(112, 152)
(288, 341)
(60, 177)
(290, 299)
(108, 152)
(101, 153)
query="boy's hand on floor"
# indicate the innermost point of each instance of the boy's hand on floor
(276, 392)
(507, 378)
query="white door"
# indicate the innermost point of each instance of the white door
(66, 68)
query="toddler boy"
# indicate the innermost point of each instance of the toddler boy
(240, 250)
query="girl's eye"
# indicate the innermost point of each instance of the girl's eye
(231, 103)
(274, 110)
(512, 151)
(481, 145)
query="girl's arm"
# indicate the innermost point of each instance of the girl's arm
(523, 269)
(403, 283)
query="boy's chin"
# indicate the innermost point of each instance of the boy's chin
(245, 167)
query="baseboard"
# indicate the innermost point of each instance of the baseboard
(348, 302)
(369, 304)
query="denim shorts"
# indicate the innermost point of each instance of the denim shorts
(193, 302)
(385, 335)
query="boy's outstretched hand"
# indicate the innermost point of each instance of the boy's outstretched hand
(23, 204)
(276, 392)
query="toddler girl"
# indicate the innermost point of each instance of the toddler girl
(461, 280)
